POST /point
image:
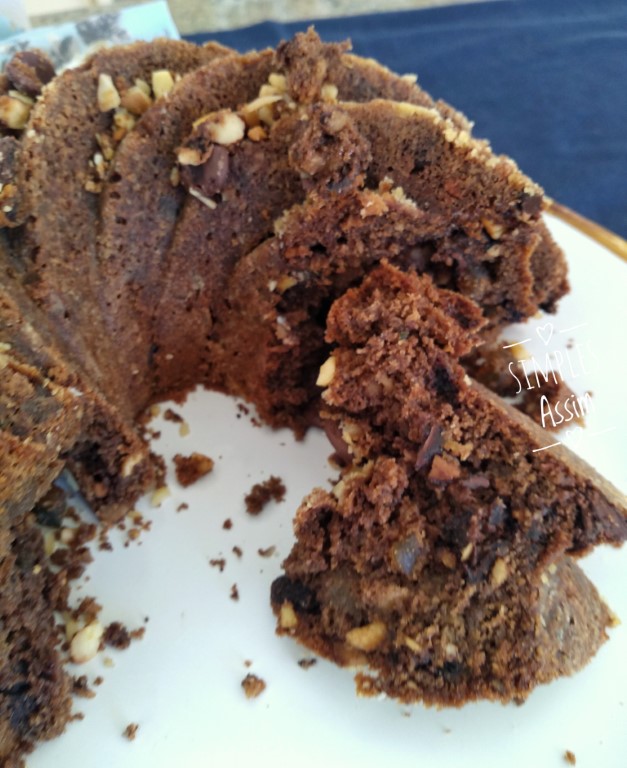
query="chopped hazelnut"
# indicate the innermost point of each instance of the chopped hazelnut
(368, 637)
(108, 96)
(14, 113)
(327, 372)
(225, 128)
(498, 575)
(287, 616)
(136, 101)
(162, 83)
(159, 496)
(86, 642)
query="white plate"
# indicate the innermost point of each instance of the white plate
(181, 683)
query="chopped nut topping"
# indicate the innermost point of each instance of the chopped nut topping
(448, 558)
(498, 575)
(467, 551)
(22, 97)
(123, 122)
(159, 496)
(129, 464)
(204, 200)
(285, 282)
(14, 113)
(368, 637)
(278, 81)
(162, 83)
(496, 231)
(412, 644)
(190, 156)
(261, 101)
(287, 616)
(257, 133)
(136, 101)
(329, 93)
(143, 86)
(108, 96)
(224, 127)
(327, 372)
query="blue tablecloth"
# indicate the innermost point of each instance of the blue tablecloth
(544, 80)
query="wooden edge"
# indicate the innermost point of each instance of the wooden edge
(605, 237)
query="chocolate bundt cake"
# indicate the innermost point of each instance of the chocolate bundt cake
(439, 557)
(175, 215)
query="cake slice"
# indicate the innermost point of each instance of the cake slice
(442, 557)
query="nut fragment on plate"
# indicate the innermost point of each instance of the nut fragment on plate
(131, 731)
(253, 686)
(189, 469)
(86, 642)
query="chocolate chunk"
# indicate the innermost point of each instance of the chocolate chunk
(431, 446)
(50, 509)
(334, 433)
(444, 384)
(215, 171)
(29, 71)
(301, 597)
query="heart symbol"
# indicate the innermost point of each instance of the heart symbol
(545, 332)
(573, 436)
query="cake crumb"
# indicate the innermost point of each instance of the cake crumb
(227, 524)
(189, 469)
(81, 688)
(98, 680)
(262, 493)
(267, 552)
(253, 686)
(117, 636)
(307, 663)
(218, 562)
(234, 595)
(248, 663)
(238, 551)
(570, 757)
(182, 506)
(170, 415)
(131, 731)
